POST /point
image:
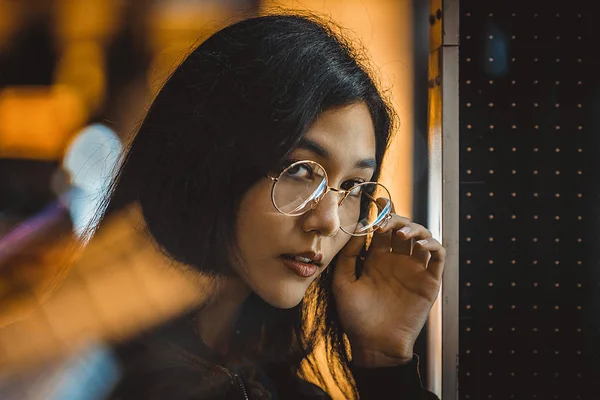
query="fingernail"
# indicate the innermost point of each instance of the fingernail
(405, 230)
(423, 242)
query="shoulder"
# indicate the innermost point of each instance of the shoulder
(155, 370)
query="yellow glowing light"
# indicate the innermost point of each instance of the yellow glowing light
(36, 122)
(384, 27)
(176, 28)
(81, 67)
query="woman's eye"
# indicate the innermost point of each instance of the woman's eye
(350, 184)
(299, 171)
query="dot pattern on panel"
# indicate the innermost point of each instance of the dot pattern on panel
(530, 202)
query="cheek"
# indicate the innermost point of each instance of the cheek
(342, 240)
(256, 201)
(262, 231)
(258, 221)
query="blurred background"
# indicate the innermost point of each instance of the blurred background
(505, 173)
(75, 80)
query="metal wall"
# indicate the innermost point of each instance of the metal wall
(529, 122)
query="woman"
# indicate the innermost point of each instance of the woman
(252, 167)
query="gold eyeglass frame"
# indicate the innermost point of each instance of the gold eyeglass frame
(324, 188)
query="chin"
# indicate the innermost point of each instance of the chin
(288, 303)
(285, 298)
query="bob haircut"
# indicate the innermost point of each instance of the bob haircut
(227, 116)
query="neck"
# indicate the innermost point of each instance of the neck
(216, 320)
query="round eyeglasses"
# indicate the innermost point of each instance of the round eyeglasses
(362, 208)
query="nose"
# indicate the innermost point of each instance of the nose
(324, 218)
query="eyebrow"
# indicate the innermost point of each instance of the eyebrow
(310, 145)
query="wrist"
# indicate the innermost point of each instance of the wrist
(370, 358)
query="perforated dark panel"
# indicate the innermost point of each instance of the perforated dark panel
(530, 100)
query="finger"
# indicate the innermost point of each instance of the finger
(421, 252)
(432, 254)
(381, 241)
(414, 231)
(382, 238)
(394, 245)
(437, 262)
(346, 262)
(403, 239)
(401, 245)
(353, 247)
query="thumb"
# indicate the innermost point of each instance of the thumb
(346, 260)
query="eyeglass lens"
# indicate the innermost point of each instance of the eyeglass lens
(301, 185)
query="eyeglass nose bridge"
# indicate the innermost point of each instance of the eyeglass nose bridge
(315, 202)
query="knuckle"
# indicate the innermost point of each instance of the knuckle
(418, 226)
(402, 219)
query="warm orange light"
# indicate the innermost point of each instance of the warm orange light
(81, 67)
(10, 20)
(86, 20)
(36, 122)
(175, 29)
(103, 298)
(385, 28)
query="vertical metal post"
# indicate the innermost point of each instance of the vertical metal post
(444, 193)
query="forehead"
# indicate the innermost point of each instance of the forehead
(347, 133)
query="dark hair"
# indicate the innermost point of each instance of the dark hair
(228, 115)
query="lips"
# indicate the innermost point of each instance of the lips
(308, 257)
(303, 264)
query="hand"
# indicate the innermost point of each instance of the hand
(383, 311)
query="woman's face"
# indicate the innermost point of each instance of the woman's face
(342, 140)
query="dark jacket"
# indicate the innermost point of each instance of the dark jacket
(172, 363)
